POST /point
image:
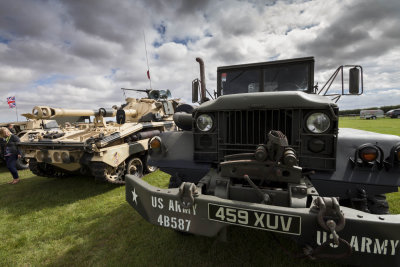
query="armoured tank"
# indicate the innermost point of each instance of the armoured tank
(24, 129)
(105, 150)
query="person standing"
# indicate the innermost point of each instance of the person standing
(10, 127)
(10, 152)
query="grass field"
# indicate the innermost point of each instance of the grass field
(78, 222)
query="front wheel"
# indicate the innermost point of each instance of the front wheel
(174, 182)
(149, 168)
(378, 204)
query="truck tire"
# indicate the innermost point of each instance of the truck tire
(148, 168)
(174, 182)
(378, 204)
(22, 164)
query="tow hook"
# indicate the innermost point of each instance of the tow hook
(187, 192)
(330, 207)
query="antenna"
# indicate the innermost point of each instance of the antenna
(147, 60)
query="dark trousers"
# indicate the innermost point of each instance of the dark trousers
(12, 165)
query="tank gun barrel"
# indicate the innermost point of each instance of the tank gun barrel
(45, 112)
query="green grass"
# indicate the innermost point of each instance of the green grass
(384, 125)
(78, 222)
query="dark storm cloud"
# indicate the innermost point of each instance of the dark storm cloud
(99, 18)
(178, 7)
(364, 30)
(22, 18)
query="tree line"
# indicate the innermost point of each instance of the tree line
(357, 111)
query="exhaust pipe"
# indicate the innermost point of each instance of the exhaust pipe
(202, 80)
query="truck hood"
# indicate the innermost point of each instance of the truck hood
(267, 100)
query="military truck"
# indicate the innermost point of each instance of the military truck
(106, 150)
(267, 154)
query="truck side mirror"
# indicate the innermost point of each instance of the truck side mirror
(354, 81)
(195, 90)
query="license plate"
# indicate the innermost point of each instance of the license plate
(275, 222)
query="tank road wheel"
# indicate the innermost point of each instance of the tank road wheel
(36, 167)
(46, 170)
(104, 172)
(22, 164)
(149, 168)
(134, 166)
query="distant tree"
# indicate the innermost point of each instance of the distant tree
(357, 111)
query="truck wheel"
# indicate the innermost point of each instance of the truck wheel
(134, 166)
(22, 164)
(148, 168)
(378, 204)
(373, 117)
(174, 182)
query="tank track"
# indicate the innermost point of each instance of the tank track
(102, 172)
(45, 170)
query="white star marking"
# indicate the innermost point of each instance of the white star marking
(135, 196)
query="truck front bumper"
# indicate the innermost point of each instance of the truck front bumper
(374, 239)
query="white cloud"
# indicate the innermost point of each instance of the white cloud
(78, 54)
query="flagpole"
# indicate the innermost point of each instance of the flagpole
(16, 110)
(147, 60)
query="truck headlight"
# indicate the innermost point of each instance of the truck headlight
(204, 122)
(318, 122)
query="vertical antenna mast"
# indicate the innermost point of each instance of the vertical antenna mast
(147, 60)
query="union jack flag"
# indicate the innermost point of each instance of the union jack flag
(11, 102)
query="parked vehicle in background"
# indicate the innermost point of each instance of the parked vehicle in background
(371, 114)
(107, 150)
(23, 130)
(394, 113)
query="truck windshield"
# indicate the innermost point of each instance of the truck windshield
(290, 77)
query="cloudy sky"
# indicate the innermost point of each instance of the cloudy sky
(78, 54)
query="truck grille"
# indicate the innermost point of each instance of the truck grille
(242, 131)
